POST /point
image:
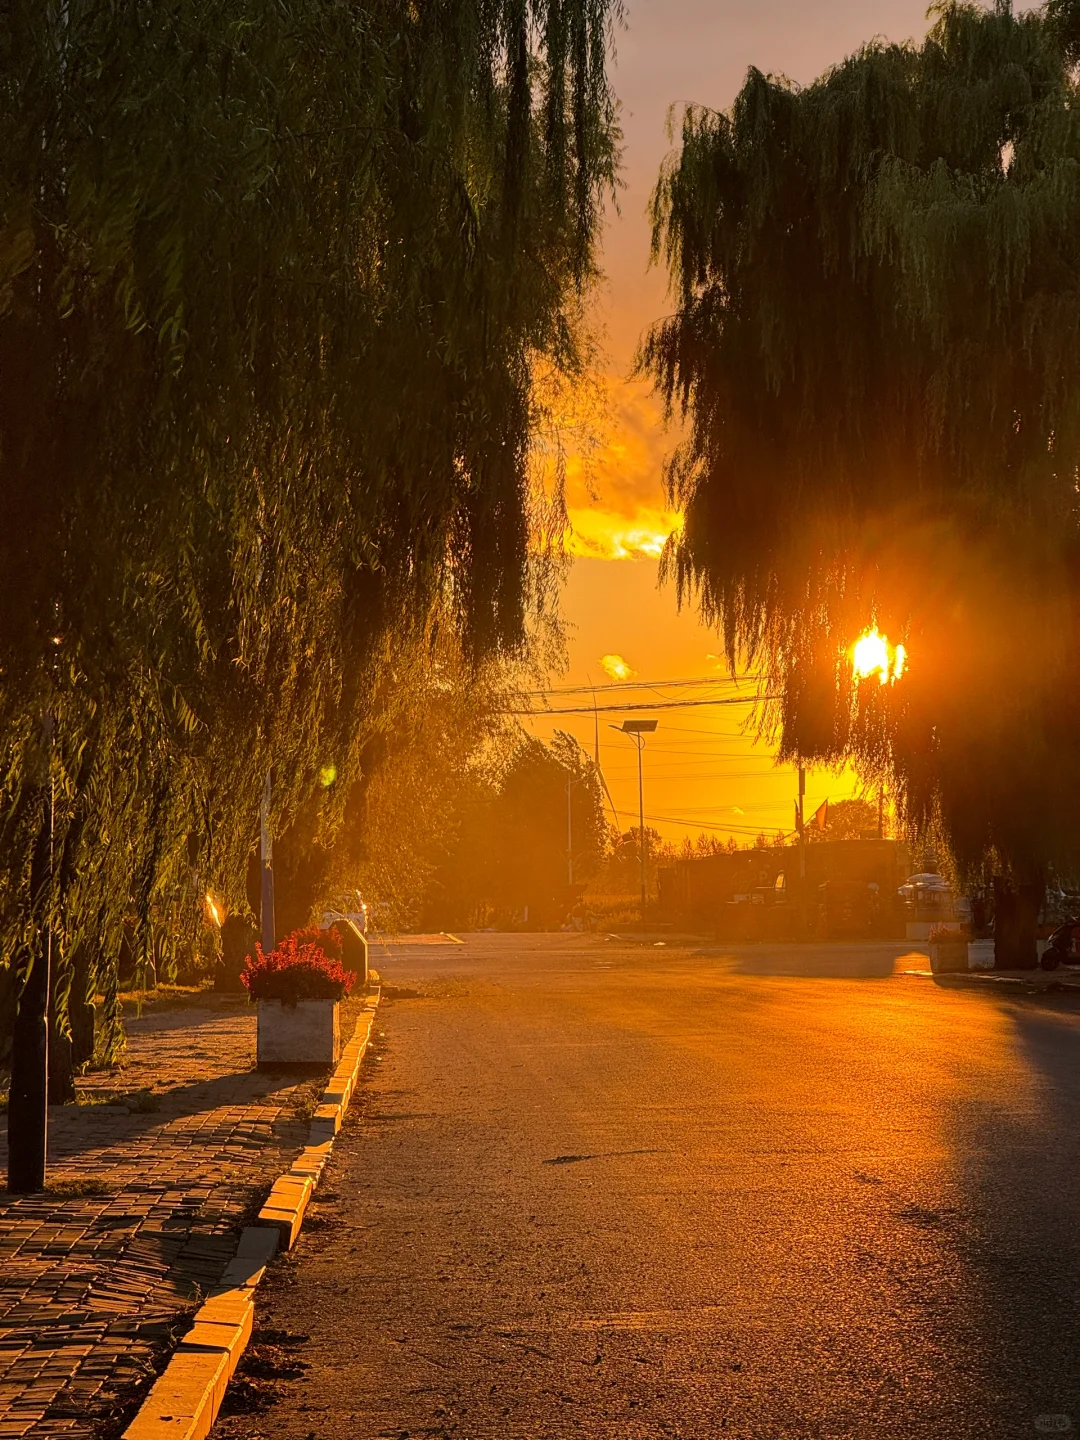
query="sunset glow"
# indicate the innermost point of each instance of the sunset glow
(601, 535)
(873, 655)
(601, 454)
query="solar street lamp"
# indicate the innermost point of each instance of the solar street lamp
(637, 730)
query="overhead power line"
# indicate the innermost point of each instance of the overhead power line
(694, 681)
(656, 705)
(753, 830)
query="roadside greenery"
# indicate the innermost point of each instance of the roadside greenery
(505, 820)
(875, 346)
(274, 280)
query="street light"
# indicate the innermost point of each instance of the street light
(637, 730)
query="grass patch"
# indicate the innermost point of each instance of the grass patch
(613, 912)
(78, 1189)
(174, 997)
(304, 1100)
(139, 1102)
(171, 997)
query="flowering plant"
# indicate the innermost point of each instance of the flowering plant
(947, 935)
(328, 941)
(299, 968)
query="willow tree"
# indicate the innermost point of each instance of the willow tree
(876, 349)
(273, 282)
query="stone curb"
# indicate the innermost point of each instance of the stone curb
(1040, 980)
(184, 1400)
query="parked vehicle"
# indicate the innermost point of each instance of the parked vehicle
(1062, 948)
(929, 898)
(847, 909)
(349, 906)
(925, 883)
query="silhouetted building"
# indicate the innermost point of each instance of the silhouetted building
(849, 890)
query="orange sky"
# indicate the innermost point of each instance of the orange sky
(702, 769)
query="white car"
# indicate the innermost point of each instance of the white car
(349, 906)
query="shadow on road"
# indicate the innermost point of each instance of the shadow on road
(1014, 1232)
(873, 961)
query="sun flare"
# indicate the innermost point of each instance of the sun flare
(873, 655)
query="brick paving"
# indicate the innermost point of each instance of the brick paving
(94, 1286)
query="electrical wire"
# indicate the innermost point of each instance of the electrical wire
(691, 682)
(622, 709)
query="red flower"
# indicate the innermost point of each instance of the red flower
(328, 941)
(299, 968)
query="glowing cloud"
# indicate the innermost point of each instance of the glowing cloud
(602, 447)
(616, 668)
(600, 535)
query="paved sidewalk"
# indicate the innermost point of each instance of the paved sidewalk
(98, 1274)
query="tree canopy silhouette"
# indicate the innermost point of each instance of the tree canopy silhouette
(274, 280)
(876, 349)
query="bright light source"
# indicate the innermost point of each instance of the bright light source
(327, 776)
(873, 655)
(616, 668)
(213, 910)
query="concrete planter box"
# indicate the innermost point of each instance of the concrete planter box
(980, 954)
(306, 1033)
(948, 958)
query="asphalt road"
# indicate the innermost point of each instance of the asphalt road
(601, 1190)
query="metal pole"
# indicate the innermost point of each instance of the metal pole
(639, 741)
(266, 876)
(802, 849)
(569, 832)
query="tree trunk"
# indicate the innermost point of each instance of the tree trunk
(1030, 899)
(9, 1006)
(1016, 914)
(71, 1044)
(82, 1010)
(237, 943)
(61, 1064)
(28, 1102)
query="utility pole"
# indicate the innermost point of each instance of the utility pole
(802, 849)
(569, 830)
(637, 730)
(266, 872)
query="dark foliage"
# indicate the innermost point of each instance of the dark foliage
(876, 346)
(273, 280)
